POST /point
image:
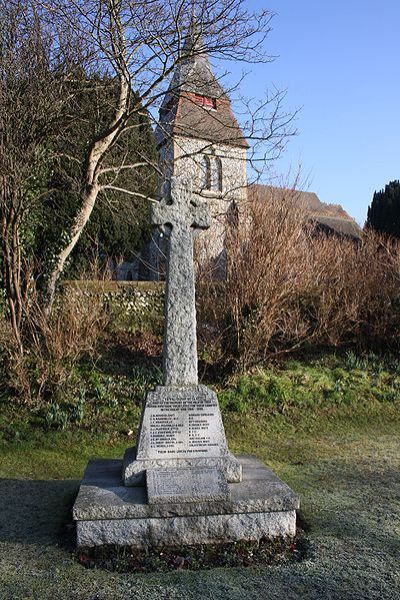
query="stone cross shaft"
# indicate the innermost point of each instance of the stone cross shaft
(183, 215)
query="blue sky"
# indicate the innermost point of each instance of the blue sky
(340, 64)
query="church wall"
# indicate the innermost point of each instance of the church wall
(188, 153)
(182, 156)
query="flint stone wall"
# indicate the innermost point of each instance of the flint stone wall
(127, 302)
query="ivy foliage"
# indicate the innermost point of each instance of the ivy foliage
(118, 226)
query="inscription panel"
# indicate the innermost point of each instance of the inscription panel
(181, 424)
(186, 485)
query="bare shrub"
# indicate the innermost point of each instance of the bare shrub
(288, 286)
(267, 275)
(54, 345)
(357, 291)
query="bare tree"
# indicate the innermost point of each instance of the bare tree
(140, 43)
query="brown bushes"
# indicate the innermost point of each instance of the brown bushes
(288, 286)
(52, 346)
(356, 296)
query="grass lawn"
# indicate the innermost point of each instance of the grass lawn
(329, 428)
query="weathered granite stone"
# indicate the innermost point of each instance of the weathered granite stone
(103, 495)
(180, 427)
(209, 529)
(181, 423)
(186, 485)
(107, 512)
(183, 216)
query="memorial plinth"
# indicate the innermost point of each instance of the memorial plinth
(107, 512)
(180, 484)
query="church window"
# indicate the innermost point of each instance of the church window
(211, 173)
(216, 174)
(206, 101)
(205, 172)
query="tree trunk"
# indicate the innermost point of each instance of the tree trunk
(97, 153)
(11, 267)
(81, 219)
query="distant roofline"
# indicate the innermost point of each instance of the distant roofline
(328, 215)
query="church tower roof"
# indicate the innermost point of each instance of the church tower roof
(195, 104)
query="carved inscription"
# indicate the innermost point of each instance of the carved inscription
(186, 485)
(182, 425)
(165, 430)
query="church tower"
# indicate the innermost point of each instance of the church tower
(199, 138)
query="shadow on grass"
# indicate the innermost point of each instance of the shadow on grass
(37, 512)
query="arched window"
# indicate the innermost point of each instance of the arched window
(205, 172)
(216, 174)
(219, 173)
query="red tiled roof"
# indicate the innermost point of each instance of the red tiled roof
(219, 126)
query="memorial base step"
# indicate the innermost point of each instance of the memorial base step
(133, 470)
(108, 512)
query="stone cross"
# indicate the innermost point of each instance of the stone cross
(184, 214)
